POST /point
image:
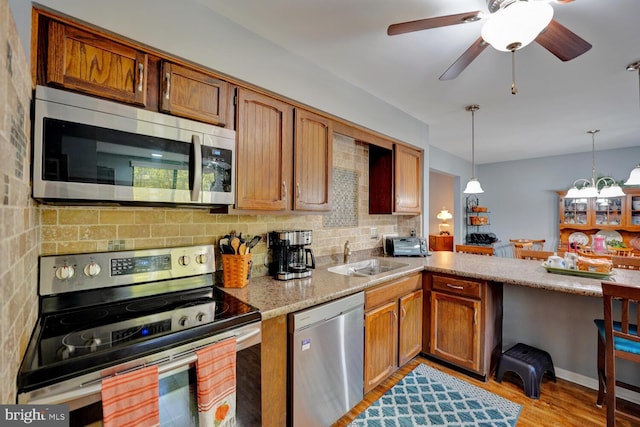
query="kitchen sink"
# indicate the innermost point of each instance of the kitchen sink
(368, 267)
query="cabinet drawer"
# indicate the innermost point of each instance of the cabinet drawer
(392, 290)
(457, 286)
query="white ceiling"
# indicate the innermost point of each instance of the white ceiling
(557, 101)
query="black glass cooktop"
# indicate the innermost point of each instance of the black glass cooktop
(75, 342)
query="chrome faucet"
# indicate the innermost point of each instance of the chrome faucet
(347, 252)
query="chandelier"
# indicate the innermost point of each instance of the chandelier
(588, 188)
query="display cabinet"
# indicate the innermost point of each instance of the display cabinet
(617, 218)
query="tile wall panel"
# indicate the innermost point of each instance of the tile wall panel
(19, 216)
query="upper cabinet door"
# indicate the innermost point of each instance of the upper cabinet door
(313, 166)
(408, 180)
(265, 152)
(86, 62)
(192, 94)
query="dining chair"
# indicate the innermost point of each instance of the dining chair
(588, 253)
(620, 251)
(617, 338)
(519, 244)
(626, 262)
(536, 254)
(538, 244)
(477, 250)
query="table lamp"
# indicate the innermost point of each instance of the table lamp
(444, 215)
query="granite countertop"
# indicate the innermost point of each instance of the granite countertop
(274, 297)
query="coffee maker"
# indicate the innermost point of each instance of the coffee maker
(290, 256)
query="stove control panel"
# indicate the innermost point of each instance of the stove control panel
(74, 272)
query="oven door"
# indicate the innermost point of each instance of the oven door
(177, 375)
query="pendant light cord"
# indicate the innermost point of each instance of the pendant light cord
(593, 155)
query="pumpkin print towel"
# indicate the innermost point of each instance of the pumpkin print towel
(216, 375)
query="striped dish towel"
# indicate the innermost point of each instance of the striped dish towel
(131, 399)
(216, 374)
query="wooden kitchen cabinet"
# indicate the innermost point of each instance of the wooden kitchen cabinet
(264, 131)
(393, 327)
(269, 177)
(466, 323)
(395, 180)
(189, 93)
(82, 61)
(441, 242)
(313, 167)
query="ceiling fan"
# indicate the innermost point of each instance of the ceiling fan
(511, 25)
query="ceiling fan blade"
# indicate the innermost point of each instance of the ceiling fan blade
(440, 21)
(562, 42)
(465, 59)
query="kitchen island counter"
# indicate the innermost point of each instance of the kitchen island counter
(274, 297)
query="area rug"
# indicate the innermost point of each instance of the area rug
(428, 397)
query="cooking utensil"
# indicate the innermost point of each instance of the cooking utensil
(242, 249)
(235, 244)
(253, 242)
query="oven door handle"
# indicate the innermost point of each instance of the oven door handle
(164, 366)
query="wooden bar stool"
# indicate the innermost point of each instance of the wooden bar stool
(617, 338)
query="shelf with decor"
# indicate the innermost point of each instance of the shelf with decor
(477, 222)
(617, 218)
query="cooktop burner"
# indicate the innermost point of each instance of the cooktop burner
(70, 342)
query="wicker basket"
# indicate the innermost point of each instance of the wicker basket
(479, 209)
(235, 270)
(479, 220)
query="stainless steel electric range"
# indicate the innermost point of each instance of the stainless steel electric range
(105, 313)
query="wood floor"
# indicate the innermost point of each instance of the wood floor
(561, 404)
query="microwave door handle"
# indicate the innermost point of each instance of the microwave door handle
(196, 168)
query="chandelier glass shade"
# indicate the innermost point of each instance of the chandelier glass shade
(634, 177)
(473, 186)
(517, 24)
(603, 187)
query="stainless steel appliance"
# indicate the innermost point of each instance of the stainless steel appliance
(106, 313)
(91, 150)
(327, 352)
(291, 258)
(406, 246)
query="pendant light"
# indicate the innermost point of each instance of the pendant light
(634, 176)
(589, 187)
(473, 186)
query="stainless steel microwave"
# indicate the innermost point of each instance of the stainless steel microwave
(89, 150)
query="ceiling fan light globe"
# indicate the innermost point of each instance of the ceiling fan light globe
(634, 177)
(518, 22)
(473, 187)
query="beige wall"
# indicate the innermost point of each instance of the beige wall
(19, 218)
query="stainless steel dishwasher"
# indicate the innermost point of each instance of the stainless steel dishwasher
(326, 345)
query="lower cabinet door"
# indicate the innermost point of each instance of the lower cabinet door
(381, 344)
(410, 340)
(455, 330)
